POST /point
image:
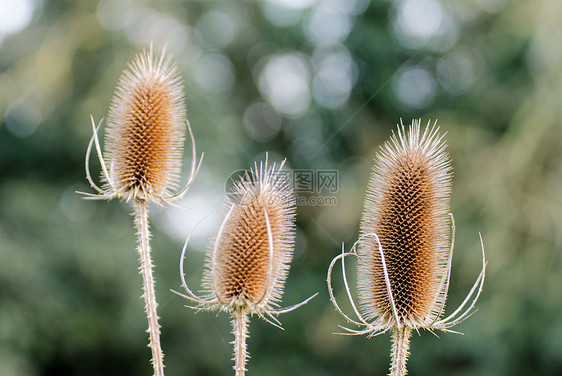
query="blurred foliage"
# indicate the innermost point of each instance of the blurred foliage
(321, 83)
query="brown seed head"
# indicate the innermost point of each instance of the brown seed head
(407, 206)
(146, 128)
(249, 261)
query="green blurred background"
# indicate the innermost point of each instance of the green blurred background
(321, 83)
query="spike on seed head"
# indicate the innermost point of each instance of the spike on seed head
(407, 206)
(249, 261)
(146, 128)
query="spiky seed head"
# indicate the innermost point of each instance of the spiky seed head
(249, 261)
(146, 128)
(407, 206)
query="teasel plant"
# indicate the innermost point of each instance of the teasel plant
(248, 261)
(405, 249)
(143, 157)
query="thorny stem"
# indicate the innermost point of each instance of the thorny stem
(146, 266)
(240, 331)
(400, 347)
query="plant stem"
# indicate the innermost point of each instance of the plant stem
(400, 347)
(240, 331)
(146, 266)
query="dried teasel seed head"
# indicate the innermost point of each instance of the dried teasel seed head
(407, 207)
(146, 129)
(250, 259)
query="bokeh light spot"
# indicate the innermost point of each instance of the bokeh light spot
(335, 77)
(327, 25)
(458, 70)
(23, 118)
(285, 82)
(415, 87)
(217, 28)
(261, 121)
(417, 22)
(15, 15)
(214, 73)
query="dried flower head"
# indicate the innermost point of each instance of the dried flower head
(145, 134)
(144, 143)
(252, 252)
(249, 260)
(407, 206)
(405, 251)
